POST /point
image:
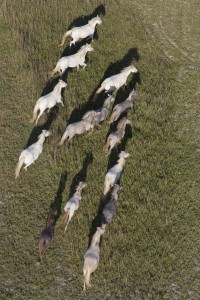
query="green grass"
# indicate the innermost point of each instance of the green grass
(150, 251)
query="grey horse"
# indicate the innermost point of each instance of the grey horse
(109, 210)
(123, 107)
(116, 136)
(80, 127)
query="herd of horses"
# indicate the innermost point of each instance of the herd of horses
(89, 120)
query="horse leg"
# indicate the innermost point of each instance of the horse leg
(90, 37)
(83, 65)
(72, 42)
(27, 165)
(62, 72)
(39, 115)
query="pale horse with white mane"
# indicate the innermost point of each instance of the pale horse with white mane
(48, 101)
(82, 32)
(91, 257)
(31, 153)
(116, 81)
(72, 61)
(114, 174)
(73, 204)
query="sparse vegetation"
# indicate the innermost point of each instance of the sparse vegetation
(150, 250)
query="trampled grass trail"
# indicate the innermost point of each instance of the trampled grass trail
(150, 251)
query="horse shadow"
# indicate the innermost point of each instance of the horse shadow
(82, 174)
(56, 204)
(97, 221)
(116, 67)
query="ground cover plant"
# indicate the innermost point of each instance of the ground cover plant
(150, 251)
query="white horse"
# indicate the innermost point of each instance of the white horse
(116, 81)
(91, 257)
(72, 61)
(73, 204)
(114, 174)
(48, 101)
(82, 32)
(31, 153)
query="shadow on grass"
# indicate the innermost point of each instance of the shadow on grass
(82, 174)
(97, 221)
(56, 204)
(37, 130)
(47, 234)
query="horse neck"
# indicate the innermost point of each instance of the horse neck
(89, 119)
(78, 194)
(120, 163)
(50, 223)
(57, 88)
(121, 124)
(126, 73)
(41, 139)
(107, 104)
(93, 24)
(96, 239)
(83, 52)
(121, 130)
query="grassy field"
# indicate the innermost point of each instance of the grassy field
(150, 251)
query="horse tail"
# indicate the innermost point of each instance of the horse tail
(106, 189)
(106, 146)
(64, 137)
(53, 71)
(65, 219)
(42, 248)
(65, 36)
(98, 92)
(112, 117)
(35, 111)
(18, 167)
(87, 274)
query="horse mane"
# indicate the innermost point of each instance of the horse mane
(127, 68)
(56, 87)
(93, 20)
(82, 49)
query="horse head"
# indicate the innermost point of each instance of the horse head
(124, 154)
(45, 132)
(95, 20)
(63, 84)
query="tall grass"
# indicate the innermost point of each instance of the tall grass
(150, 249)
